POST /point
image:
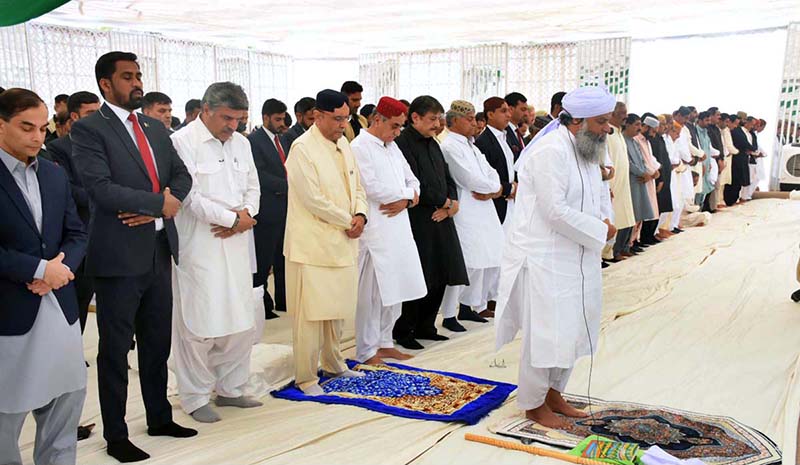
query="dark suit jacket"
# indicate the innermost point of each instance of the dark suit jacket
(116, 179)
(61, 153)
(271, 175)
(490, 146)
(513, 141)
(22, 246)
(740, 171)
(291, 134)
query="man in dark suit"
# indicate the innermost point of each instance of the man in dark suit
(41, 241)
(136, 182)
(493, 143)
(518, 114)
(304, 112)
(740, 162)
(269, 155)
(80, 105)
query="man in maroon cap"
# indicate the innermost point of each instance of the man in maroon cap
(390, 272)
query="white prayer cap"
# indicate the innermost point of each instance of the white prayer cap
(588, 102)
(652, 122)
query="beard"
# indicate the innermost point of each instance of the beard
(590, 146)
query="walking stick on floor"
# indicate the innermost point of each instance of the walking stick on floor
(531, 449)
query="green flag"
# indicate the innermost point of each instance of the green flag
(18, 11)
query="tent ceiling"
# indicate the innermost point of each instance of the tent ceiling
(326, 28)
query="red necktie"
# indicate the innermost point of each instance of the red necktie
(521, 142)
(144, 151)
(280, 149)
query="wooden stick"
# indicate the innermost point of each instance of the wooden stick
(531, 449)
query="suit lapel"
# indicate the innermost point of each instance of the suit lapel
(10, 186)
(124, 136)
(45, 196)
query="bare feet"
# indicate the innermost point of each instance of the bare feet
(486, 313)
(545, 417)
(393, 354)
(376, 360)
(557, 404)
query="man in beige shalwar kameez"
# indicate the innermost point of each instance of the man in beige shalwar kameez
(326, 214)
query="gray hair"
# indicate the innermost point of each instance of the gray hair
(225, 94)
(451, 115)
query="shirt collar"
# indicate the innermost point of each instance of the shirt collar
(121, 113)
(202, 130)
(372, 139)
(269, 133)
(497, 133)
(13, 164)
(318, 134)
(459, 138)
(512, 125)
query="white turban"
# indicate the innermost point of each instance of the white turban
(588, 102)
(583, 102)
(652, 122)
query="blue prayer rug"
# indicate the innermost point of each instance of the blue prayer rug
(410, 392)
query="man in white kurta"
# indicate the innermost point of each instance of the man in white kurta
(389, 269)
(213, 319)
(479, 230)
(551, 284)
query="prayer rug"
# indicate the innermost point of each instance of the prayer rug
(713, 439)
(410, 392)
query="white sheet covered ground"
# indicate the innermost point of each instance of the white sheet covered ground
(702, 322)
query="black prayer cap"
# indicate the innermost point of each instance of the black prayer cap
(329, 100)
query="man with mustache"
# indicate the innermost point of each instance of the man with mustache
(551, 284)
(136, 183)
(326, 214)
(213, 311)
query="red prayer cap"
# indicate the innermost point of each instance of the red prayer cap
(390, 107)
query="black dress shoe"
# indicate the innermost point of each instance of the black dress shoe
(467, 314)
(125, 451)
(677, 231)
(85, 431)
(796, 295)
(637, 249)
(431, 336)
(270, 315)
(409, 343)
(171, 429)
(604, 265)
(453, 325)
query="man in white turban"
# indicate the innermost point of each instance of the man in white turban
(550, 284)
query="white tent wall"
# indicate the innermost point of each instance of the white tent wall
(52, 60)
(735, 72)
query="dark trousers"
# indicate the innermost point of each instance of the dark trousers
(140, 305)
(269, 254)
(648, 231)
(84, 287)
(731, 194)
(621, 243)
(419, 316)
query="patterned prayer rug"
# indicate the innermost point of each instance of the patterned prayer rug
(410, 392)
(713, 439)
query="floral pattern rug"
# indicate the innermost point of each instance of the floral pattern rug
(410, 392)
(713, 439)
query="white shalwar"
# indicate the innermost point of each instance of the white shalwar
(213, 318)
(550, 282)
(389, 268)
(479, 230)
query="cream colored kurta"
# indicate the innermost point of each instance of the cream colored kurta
(730, 151)
(325, 193)
(621, 183)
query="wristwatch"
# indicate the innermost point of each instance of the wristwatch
(235, 222)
